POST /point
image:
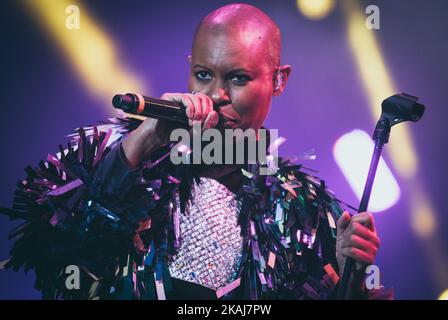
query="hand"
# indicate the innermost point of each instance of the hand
(199, 107)
(154, 133)
(357, 239)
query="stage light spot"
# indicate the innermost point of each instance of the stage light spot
(443, 295)
(315, 9)
(423, 220)
(353, 153)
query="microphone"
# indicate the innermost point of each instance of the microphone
(137, 104)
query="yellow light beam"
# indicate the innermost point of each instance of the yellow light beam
(444, 295)
(378, 86)
(90, 50)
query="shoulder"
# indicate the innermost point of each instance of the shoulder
(303, 207)
(301, 185)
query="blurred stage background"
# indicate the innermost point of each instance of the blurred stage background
(54, 79)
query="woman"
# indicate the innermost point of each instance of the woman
(140, 227)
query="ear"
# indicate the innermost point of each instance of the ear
(189, 58)
(281, 76)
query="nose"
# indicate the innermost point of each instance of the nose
(220, 97)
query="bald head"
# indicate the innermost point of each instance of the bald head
(235, 60)
(247, 22)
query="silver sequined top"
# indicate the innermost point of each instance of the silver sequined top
(211, 242)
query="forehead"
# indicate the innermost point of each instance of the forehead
(233, 48)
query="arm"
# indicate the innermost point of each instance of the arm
(75, 207)
(87, 207)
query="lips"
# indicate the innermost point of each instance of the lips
(226, 118)
(229, 124)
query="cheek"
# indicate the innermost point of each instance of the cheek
(253, 104)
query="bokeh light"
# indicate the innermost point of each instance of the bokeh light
(353, 153)
(315, 9)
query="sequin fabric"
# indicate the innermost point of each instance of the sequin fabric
(211, 242)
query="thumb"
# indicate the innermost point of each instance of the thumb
(343, 222)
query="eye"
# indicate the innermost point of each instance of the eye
(240, 79)
(203, 76)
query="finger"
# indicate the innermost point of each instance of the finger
(343, 222)
(215, 117)
(358, 255)
(366, 219)
(360, 243)
(176, 97)
(184, 100)
(211, 120)
(364, 232)
(209, 103)
(197, 106)
(190, 108)
(204, 108)
(207, 107)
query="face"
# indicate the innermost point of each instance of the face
(233, 69)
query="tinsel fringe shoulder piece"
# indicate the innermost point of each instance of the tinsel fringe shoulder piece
(120, 230)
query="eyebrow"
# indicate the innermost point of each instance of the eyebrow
(201, 66)
(240, 70)
(231, 71)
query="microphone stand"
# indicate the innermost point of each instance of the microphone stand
(381, 137)
(395, 109)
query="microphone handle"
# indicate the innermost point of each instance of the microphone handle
(150, 107)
